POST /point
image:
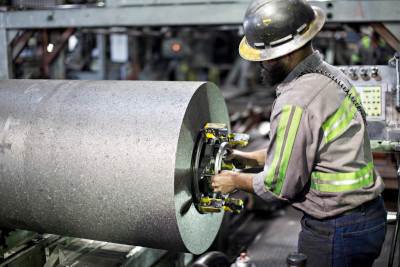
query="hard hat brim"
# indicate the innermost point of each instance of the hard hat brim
(249, 53)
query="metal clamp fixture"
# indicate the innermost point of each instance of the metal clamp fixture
(213, 144)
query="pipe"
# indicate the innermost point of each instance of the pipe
(106, 160)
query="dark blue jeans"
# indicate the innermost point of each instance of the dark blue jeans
(351, 240)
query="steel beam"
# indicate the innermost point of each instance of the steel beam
(59, 45)
(106, 160)
(5, 55)
(19, 43)
(49, 57)
(392, 40)
(162, 15)
(360, 11)
(207, 13)
(101, 46)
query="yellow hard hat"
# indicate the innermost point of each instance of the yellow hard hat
(276, 28)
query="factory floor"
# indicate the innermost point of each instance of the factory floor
(279, 237)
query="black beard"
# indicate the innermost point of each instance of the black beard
(273, 76)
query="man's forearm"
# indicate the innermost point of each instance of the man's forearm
(228, 181)
(255, 158)
(244, 182)
(260, 156)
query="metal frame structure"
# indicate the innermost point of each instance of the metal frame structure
(177, 13)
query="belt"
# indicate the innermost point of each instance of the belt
(359, 208)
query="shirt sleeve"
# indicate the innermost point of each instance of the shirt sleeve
(290, 156)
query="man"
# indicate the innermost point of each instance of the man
(319, 157)
(372, 50)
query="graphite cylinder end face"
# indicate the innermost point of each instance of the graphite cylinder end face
(197, 230)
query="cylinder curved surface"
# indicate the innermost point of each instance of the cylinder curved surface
(106, 160)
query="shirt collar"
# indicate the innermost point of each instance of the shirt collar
(310, 62)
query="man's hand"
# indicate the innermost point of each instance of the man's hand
(243, 160)
(224, 182)
(228, 181)
(237, 159)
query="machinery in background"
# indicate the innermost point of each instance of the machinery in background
(378, 89)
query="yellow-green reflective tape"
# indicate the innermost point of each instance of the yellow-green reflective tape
(339, 182)
(288, 150)
(343, 176)
(279, 142)
(339, 121)
(282, 154)
(353, 91)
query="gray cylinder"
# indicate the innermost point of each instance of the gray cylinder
(106, 160)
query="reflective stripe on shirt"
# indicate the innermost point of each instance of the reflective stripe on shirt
(287, 129)
(339, 121)
(339, 182)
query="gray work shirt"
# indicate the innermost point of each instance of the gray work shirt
(319, 158)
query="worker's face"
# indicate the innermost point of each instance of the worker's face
(274, 71)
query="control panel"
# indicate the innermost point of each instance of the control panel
(377, 88)
(372, 100)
